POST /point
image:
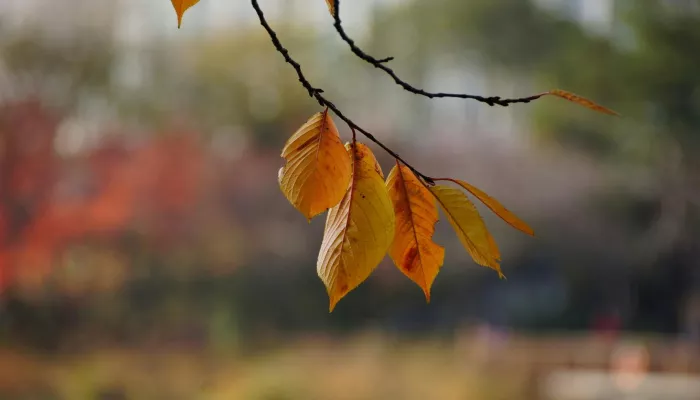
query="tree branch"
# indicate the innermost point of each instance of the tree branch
(316, 93)
(379, 63)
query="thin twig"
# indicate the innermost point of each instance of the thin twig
(379, 63)
(316, 93)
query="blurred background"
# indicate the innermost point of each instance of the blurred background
(146, 251)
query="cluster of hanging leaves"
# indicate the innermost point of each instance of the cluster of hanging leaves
(370, 216)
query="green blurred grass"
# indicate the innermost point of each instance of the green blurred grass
(363, 367)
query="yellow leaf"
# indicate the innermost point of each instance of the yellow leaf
(470, 228)
(413, 250)
(359, 230)
(495, 252)
(180, 7)
(318, 167)
(331, 6)
(496, 207)
(581, 101)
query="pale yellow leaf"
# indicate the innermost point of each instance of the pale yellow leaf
(581, 101)
(496, 207)
(359, 230)
(331, 6)
(413, 250)
(318, 167)
(467, 223)
(180, 7)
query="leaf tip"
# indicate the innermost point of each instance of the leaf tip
(526, 229)
(582, 101)
(331, 6)
(333, 303)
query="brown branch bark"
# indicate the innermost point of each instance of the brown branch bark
(317, 93)
(380, 64)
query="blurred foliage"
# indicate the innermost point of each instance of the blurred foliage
(641, 64)
(474, 364)
(139, 204)
(224, 91)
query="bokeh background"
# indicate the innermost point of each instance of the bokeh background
(146, 251)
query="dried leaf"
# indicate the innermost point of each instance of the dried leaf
(359, 230)
(413, 250)
(470, 228)
(581, 101)
(180, 7)
(318, 168)
(497, 208)
(331, 6)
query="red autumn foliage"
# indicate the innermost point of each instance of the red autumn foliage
(48, 203)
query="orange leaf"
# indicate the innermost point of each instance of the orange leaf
(318, 168)
(180, 7)
(581, 101)
(359, 230)
(413, 250)
(470, 228)
(331, 6)
(496, 207)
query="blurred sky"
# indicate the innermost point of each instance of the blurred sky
(144, 18)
